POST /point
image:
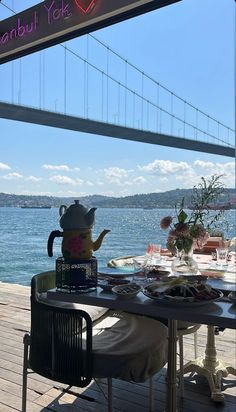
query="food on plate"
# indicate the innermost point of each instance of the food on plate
(126, 291)
(197, 291)
(156, 271)
(183, 290)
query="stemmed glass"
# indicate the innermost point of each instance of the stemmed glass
(154, 253)
(152, 260)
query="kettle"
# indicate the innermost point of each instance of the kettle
(76, 222)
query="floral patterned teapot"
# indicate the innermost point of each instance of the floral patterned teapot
(76, 222)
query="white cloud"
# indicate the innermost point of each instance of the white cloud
(99, 183)
(227, 170)
(64, 168)
(62, 180)
(115, 174)
(12, 176)
(165, 167)
(3, 166)
(164, 179)
(33, 179)
(186, 180)
(89, 183)
(204, 165)
(65, 180)
(216, 168)
(139, 180)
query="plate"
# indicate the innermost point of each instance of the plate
(232, 297)
(179, 300)
(212, 273)
(126, 291)
(121, 271)
(108, 284)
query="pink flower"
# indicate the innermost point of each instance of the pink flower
(173, 233)
(166, 222)
(182, 229)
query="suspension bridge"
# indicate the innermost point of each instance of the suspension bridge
(87, 87)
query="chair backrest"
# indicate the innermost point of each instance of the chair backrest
(60, 339)
(43, 282)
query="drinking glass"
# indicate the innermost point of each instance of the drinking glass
(221, 256)
(156, 253)
(139, 276)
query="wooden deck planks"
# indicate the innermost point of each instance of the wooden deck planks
(45, 395)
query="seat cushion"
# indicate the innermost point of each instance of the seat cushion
(95, 312)
(129, 347)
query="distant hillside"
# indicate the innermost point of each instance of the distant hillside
(151, 200)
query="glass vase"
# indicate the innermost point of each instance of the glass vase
(184, 264)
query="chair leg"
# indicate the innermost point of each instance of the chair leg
(151, 397)
(181, 366)
(195, 345)
(109, 391)
(26, 341)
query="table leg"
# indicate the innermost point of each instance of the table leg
(210, 367)
(171, 371)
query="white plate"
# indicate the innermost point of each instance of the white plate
(121, 271)
(171, 300)
(229, 277)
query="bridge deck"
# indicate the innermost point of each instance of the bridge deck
(62, 121)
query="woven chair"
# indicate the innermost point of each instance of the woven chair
(55, 347)
(63, 345)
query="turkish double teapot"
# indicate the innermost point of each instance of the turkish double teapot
(76, 222)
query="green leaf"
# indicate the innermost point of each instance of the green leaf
(182, 216)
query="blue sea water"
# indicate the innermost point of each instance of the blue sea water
(24, 234)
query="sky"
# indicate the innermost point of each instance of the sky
(188, 47)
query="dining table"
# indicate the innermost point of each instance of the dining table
(221, 313)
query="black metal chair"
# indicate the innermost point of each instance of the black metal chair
(55, 347)
(61, 347)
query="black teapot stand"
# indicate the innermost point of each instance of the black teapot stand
(76, 276)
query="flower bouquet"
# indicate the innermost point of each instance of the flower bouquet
(190, 231)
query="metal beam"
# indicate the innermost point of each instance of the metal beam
(62, 121)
